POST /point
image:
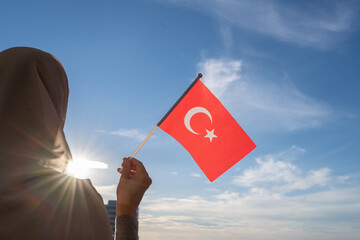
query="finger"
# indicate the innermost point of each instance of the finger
(126, 169)
(122, 165)
(140, 169)
(133, 166)
(124, 161)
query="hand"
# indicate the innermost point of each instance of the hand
(133, 183)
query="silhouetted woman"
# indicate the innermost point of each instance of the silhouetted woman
(37, 200)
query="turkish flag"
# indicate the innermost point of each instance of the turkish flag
(200, 123)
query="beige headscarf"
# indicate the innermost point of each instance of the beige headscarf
(33, 101)
(37, 202)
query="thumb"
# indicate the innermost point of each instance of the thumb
(126, 168)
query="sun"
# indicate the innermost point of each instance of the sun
(79, 167)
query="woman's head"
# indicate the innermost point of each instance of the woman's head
(33, 101)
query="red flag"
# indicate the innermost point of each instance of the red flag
(200, 123)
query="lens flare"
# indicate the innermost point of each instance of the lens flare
(80, 166)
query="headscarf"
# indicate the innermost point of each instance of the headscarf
(33, 101)
(37, 202)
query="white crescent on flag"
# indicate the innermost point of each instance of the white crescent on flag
(191, 113)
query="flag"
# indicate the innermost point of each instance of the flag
(202, 125)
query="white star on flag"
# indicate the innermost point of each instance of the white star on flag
(210, 134)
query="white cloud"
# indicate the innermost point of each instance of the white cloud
(227, 195)
(262, 104)
(197, 175)
(262, 211)
(219, 74)
(226, 35)
(314, 23)
(279, 173)
(342, 179)
(108, 192)
(258, 214)
(130, 133)
(174, 173)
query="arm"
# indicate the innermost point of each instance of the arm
(133, 183)
(126, 228)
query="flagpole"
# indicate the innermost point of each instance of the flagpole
(145, 140)
(167, 114)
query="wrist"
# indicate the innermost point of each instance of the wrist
(123, 209)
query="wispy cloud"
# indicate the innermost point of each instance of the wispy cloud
(129, 133)
(226, 35)
(263, 103)
(197, 175)
(108, 192)
(315, 23)
(277, 171)
(277, 210)
(219, 74)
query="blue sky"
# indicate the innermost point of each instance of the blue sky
(288, 71)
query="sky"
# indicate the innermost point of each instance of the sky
(288, 72)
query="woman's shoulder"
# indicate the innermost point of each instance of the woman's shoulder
(49, 204)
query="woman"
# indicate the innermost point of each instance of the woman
(37, 200)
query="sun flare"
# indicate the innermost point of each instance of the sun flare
(79, 167)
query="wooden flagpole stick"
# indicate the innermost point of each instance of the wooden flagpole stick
(147, 138)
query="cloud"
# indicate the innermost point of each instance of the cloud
(129, 133)
(264, 104)
(226, 35)
(269, 207)
(108, 192)
(257, 214)
(197, 175)
(219, 74)
(316, 23)
(276, 171)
